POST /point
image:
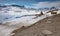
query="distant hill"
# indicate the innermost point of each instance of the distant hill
(12, 5)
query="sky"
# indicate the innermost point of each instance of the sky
(32, 3)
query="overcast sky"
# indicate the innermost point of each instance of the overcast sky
(32, 3)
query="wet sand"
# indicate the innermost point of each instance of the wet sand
(51, 23)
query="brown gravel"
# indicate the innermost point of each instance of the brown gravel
(51, 23)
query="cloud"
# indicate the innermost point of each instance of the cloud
(47, 4)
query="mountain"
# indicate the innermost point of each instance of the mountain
(49, 8)
(3, 6)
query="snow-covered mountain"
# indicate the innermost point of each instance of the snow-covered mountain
(18, 13)
(12, 18)
(11, 12)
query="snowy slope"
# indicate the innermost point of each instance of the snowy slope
(15, 17)
(11, 13)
